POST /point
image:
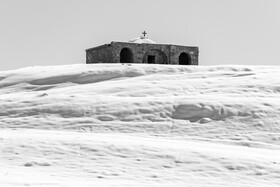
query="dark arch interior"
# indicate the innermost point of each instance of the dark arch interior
(184, 59)
(126, 56)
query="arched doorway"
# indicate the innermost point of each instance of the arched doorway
(184, 59)
(154, 56)
(126, 56)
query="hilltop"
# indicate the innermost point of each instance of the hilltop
(140, 125)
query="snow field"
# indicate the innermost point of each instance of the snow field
(140, 125)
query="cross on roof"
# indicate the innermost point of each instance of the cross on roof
(144, 33)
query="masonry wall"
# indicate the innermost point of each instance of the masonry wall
(100, 54)
(110, 53)
(176, 50)
(138, 50)
(159, 57)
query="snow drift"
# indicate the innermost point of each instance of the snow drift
(194, 125)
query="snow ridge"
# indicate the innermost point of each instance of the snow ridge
(214, 123)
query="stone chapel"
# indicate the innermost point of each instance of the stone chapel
(142, 50)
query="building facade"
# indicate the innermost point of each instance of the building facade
(142, 50)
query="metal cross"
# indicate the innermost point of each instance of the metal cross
(144, 33)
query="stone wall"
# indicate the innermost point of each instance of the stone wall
(100, 54)
(110, 53)
(138, 50)
(176, 50)
(159, 57)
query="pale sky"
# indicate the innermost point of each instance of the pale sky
(56, 32)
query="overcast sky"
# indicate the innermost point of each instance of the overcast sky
(54, 32)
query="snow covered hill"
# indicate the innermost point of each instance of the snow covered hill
(140, 125)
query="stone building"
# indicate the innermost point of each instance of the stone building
(142, 50)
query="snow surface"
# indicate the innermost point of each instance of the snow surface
(140, 125)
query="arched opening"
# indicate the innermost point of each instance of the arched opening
(126, 56)
(184, 59)
(154, 56)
